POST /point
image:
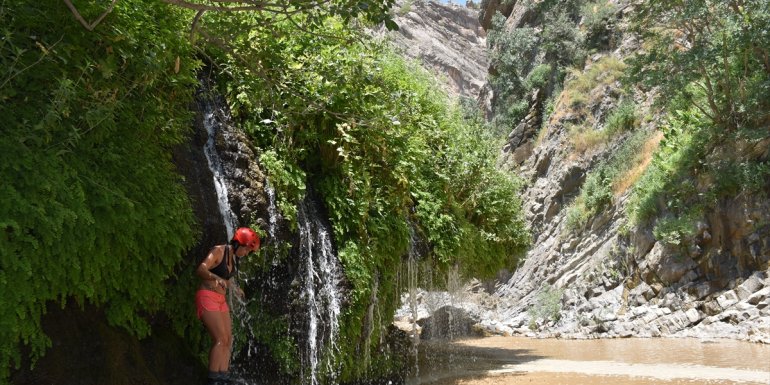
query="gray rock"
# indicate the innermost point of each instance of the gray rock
(702, 290)
(692, 315)
(448, 322)
(749, 287)
(730, 316)
(712, 307)
(642, 290)
(727, 299)
(449, 40)
(671, 301)
(668, 268)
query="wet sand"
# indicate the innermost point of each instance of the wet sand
(518, 360)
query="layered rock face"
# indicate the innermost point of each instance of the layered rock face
(607, 278)
(612, 280)
(447, 39)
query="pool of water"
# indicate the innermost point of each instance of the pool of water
(519, 360)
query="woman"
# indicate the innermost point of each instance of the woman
(216, 272)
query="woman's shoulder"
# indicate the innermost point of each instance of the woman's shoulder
(217, 251)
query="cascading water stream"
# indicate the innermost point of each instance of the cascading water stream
(320, 291)
(272, 212)
(212, 123)
(412, 282)
(320, 272)
(215, 117)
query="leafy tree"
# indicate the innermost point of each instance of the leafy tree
(531, 57)
(305, 15)
(711, 59)
(711, 53)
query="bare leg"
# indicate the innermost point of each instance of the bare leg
(228, 322)
(218, 325)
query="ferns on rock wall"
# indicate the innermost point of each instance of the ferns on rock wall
(386, 152)
(91, 209)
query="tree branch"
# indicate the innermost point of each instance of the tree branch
(87, 25)
(203, 7)
(194, 24)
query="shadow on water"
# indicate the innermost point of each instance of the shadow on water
(443, 360)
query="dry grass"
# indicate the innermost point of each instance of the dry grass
(580, 92)
(586, 138)
(642, 160)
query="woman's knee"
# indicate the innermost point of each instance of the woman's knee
(224, 341)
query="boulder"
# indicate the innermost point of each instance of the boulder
(749, 287)
(448, 322)
(727, 299)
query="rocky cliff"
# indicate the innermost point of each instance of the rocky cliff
(601, 275)
(445, 38)
(609, 277)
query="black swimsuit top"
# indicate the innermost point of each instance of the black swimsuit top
(221, 268)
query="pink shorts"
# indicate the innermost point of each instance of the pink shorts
(210, 301)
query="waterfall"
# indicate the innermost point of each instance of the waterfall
(211, 112)
(272, 211)
(320, 291)
(412, 282)
(316, 268)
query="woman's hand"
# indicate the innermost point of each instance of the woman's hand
(238, 291)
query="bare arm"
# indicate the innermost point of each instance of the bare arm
(212, 259)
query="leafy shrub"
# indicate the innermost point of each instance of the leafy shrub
(622, 118)
(386, 151)
(667, 179)
(603, 72)
(547, 306)
(598, 191)
(525, 59)
(92, 210)
(598, 19)
(711, 53)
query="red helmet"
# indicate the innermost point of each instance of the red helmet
(247, 237)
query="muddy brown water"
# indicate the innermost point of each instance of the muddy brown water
(632, 361)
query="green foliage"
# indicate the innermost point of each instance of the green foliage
(307, 15)
(622, 118)
(539, 77)
(510, 58)
(585, 136)
(597, 192)
(561, 40)
(711, 53)
(604, 72)
(92, 210)
(599, 17)
(667, 183)
(288, 178)
(547, 305)
(674, 230)
(374, 138)
(690, 172)
(526, 59)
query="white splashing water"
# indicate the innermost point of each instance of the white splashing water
(321, 293)
(212, 124)
(272, 211)
(412, 282)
